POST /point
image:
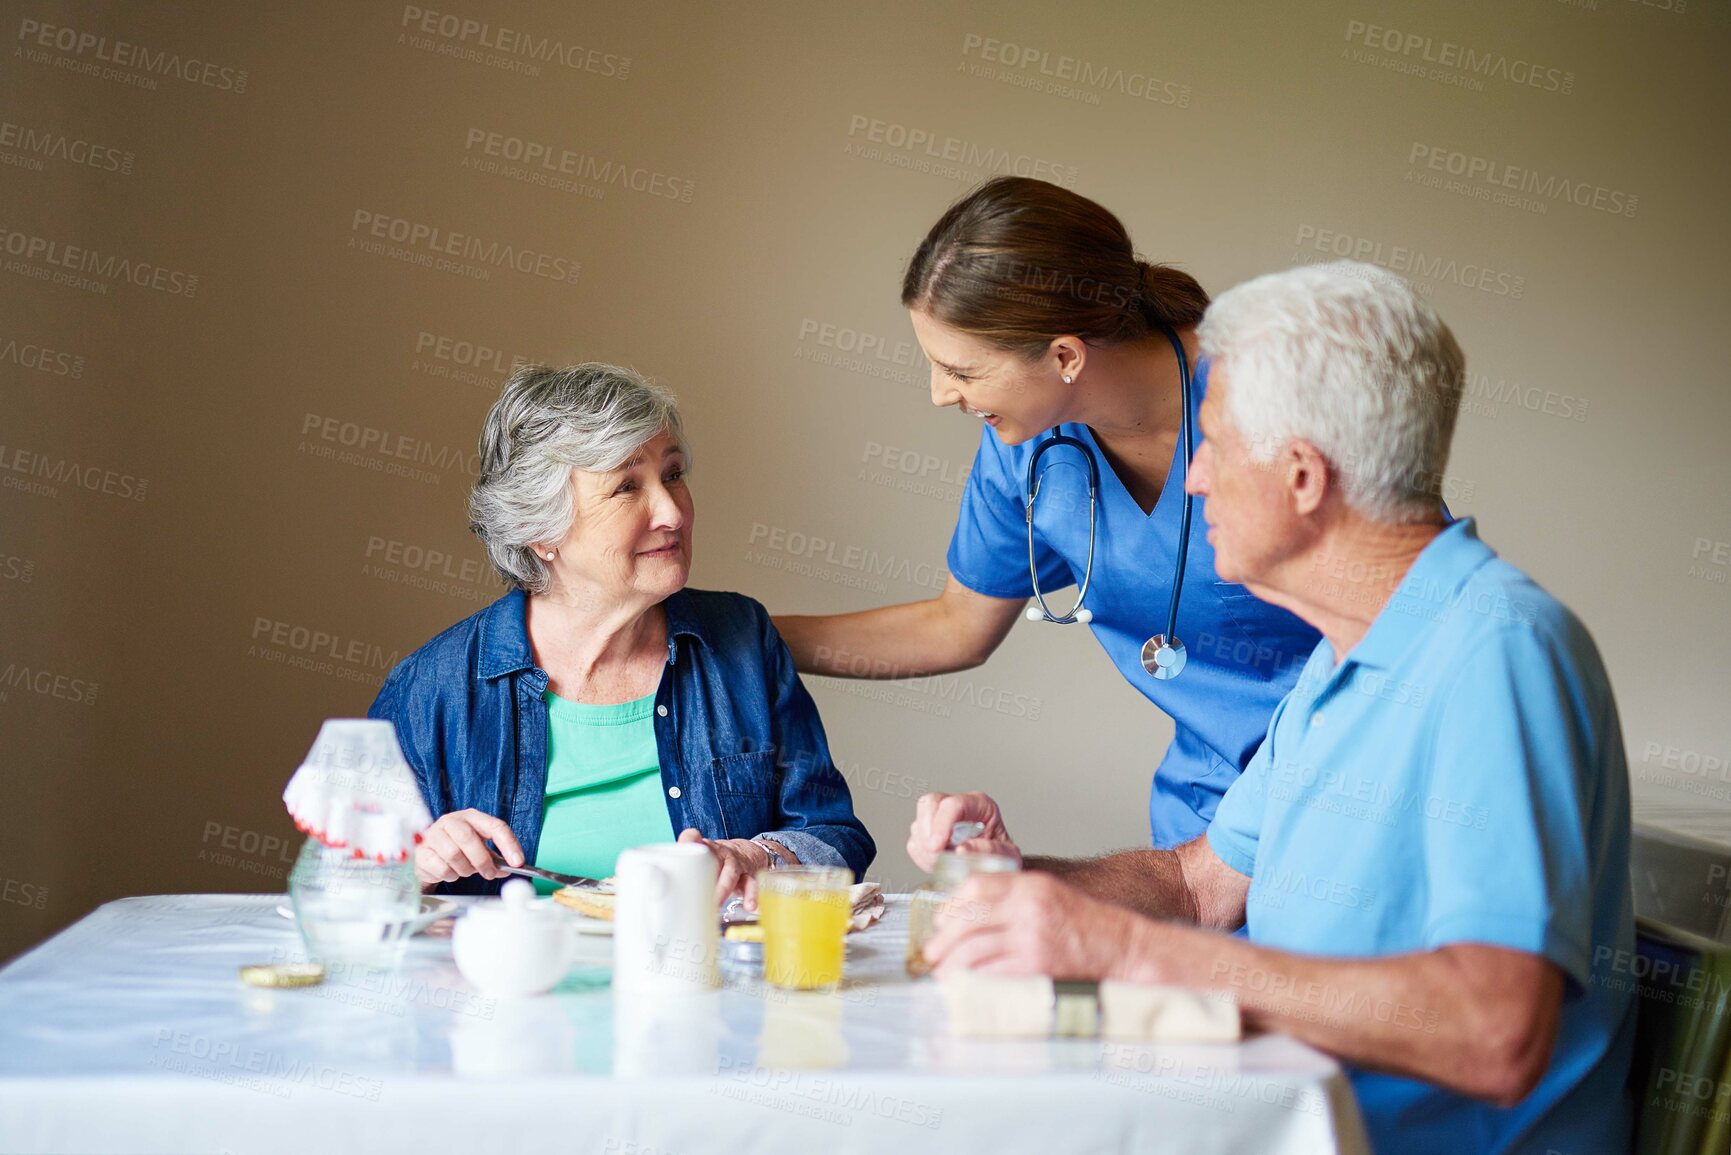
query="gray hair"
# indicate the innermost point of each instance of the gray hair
(1345, 356)
(546, 423)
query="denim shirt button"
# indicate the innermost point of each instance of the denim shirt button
(673, 792)
(662, 712)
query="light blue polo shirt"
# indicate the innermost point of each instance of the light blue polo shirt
(1458, 778)
(1244, 654)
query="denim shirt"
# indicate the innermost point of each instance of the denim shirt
(742, 750)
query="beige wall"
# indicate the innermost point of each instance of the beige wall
(173, 519)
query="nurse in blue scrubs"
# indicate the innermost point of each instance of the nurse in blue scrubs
(1036, 315)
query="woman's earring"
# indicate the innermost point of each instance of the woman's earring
(549, 555)
(1069, 380)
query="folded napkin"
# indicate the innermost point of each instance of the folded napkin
(868, 905)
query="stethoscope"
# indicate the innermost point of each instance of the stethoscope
(1163, 655)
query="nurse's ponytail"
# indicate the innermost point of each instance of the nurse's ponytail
(1019, 261)
(1169, 297)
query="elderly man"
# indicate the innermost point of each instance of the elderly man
(1430, 849)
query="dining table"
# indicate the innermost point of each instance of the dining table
(131, 1031)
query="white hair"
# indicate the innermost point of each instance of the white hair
(546, 423)
(1345, 356)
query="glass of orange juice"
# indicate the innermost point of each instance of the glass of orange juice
(804, 911)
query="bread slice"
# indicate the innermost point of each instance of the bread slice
(586, 900)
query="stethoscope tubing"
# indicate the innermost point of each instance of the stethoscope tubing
(1187, 433)
(1079, 613)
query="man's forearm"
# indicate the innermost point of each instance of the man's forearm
(1437, 1015)
(1149, 882)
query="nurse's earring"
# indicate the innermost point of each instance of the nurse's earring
(1069, 380)
(549, 555)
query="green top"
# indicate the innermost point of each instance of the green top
(603, 786)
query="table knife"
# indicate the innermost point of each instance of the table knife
(527, 871)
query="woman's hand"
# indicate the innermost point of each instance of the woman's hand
(455, 847)
(737, 861)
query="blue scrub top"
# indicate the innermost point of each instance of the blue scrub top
(1458, 778)
(1243, 653)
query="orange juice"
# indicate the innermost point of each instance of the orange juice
(804, 914)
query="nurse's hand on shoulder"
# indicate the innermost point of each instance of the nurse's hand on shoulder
(456, 846)
(1031, 924)
(937, 814)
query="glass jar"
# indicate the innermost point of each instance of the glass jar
(353, 911)
(948, 872)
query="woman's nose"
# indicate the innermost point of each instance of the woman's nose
(943, 393)
(666, 510)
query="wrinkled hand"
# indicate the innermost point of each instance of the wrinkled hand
(737, 861)
(935, 814)
(1032, 924)
(455, 847)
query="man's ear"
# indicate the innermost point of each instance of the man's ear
(1308, 476)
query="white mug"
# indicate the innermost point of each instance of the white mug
(666, 928)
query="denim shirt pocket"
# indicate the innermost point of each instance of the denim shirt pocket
(746, 790)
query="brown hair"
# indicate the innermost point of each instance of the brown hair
(1019, 261)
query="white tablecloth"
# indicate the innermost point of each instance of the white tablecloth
(131, 1032)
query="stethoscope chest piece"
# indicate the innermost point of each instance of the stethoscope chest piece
(1163, 657)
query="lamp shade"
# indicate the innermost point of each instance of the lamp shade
(355, 791)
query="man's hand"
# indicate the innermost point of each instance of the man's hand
(1032, 924)
(935, 814)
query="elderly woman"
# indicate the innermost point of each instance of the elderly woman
(600, 704)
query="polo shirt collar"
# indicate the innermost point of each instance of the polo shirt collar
(503, 641)
(1436, 575)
